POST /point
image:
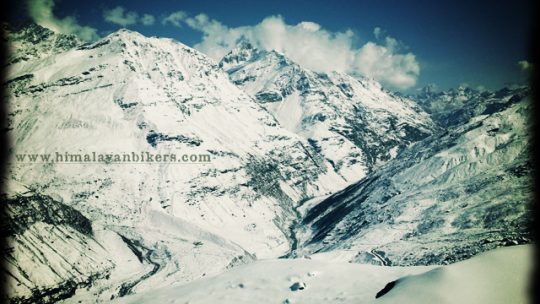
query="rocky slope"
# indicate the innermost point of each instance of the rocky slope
(51, 245)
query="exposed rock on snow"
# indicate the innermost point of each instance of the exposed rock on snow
(298, 286)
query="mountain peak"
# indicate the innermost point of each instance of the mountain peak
(34, 33)
(124, 33)
(244, 44)
(243, 52)
(31, 41)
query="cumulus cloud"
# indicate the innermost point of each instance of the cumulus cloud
(119, 16)
(41, 12)
(123, 17)
(176, 19)
(378, 32)
(380, 62)
(148, 19)
(525, 66)
(309, 26)
(310, 45)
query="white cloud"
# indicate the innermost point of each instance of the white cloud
(123, 17)
(148, 19)
(118, 15)
(41, 12)
(378, 32)
(381, 63)
(525, 65)
(309, 26)
(175, 19)
(310, 45)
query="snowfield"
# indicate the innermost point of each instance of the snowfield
(498, 276)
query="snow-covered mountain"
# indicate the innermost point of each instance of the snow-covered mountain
(175, 222)
(462, 191)
(459, 105)
(31, 42)
(354, 123)
(301, 164)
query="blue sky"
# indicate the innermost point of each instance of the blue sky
(416, 43)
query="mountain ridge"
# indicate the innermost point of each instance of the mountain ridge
(354, 122)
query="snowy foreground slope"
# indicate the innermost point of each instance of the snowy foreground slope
(499, 276)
